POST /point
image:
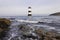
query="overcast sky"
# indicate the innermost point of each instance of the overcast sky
(20, 7)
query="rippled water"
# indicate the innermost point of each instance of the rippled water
(47, 22)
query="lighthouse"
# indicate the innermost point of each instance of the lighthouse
(29, 13)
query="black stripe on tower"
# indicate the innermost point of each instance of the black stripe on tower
(29, 11)
(29, 14)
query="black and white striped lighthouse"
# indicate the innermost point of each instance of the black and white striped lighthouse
(29, 11)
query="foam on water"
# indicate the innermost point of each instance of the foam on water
(14, 29)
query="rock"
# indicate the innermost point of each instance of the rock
(4, 26)
(27, 32)
(15, 38)
(4, 21)
(57, 37)
(1, 30)
(55, 14)
(48, 35)
(40, 33)
(25, 29)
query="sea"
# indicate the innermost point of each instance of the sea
(49, 23)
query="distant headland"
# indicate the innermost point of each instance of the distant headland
(55, 14)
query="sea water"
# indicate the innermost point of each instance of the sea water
(48, 23)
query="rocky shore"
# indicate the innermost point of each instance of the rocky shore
(26, 31)
(38, 34)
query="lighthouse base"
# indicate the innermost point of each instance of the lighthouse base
(29, 15)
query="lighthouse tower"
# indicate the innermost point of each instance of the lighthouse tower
(29, 13)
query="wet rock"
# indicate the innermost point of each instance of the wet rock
(48, 35)
(27, 32)
(40, 33)
(4, 26)
(15, 38)
(1, 30)
(4, 22)
(25, 29)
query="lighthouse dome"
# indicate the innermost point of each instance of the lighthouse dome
(29, 7)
